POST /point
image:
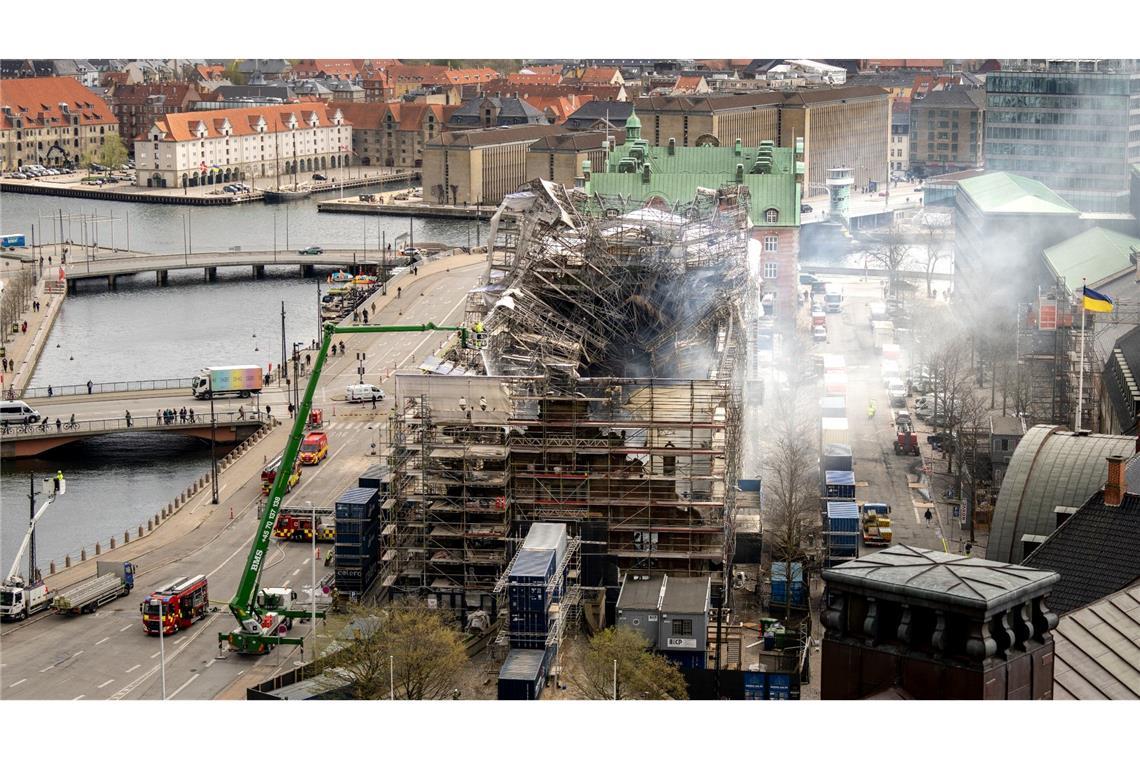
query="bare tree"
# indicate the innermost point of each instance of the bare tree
(791, 481)
(641, 674)
(891, 253)
(411, 642)
(937, 246)
(972, 433)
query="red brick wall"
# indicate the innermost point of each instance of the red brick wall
(786, 283)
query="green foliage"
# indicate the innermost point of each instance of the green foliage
(113, 153)
(425, 654)
(640, 673)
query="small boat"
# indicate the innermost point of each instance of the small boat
(339, 291)
(283, 196)
(364, 279)
(340, 277)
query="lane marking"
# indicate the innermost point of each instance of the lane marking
(295, 572)
(210, 663)
(81, 696)
(133, 668)
(81, 651)
(100, 641)
(14, 685)
(306, 561)
(109, 681)
(183, 686)
(126, 627)
(156, 654)
(49, 667)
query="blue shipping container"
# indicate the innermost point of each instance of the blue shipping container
(523, 674)
(749, 485)
(686, 660)
(526, 585)
(780, 584)
(358, 504)
(755, 685)
(779, 686)
(839, 484)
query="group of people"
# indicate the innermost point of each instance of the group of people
(170, 416)
(35, 305)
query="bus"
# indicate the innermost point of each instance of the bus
(270, 473)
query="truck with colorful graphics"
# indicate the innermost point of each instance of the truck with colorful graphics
(220, 381)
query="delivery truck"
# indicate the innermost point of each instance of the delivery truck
(112, 580)
(234, 381)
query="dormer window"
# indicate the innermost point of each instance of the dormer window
(771, 216)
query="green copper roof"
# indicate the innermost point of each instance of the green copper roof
(676, 176)
(633, 121)
(1005, 193)
(1096, 255)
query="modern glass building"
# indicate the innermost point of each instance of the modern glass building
(1075, 126)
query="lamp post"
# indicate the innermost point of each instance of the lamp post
(213, 455)
(296, 377)
(162, 644)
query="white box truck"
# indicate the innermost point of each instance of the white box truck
(219, 381)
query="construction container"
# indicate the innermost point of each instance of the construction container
(779, 686)
(834, 362)
(377, 476)
(781, 586)
(837, 456)
(547, 536)
(839, 484)
(755, 685)
(528, 581)
(843, 531)
(523, 674)
(686, 660)
(833, 430)
(835, 382)
(358, 504)
(833, 406)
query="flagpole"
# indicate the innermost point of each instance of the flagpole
(1081, 365)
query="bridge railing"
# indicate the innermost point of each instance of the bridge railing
(126, 386)
(117, 424)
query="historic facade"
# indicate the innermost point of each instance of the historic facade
(51, 121)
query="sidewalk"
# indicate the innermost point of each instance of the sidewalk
(24, 348)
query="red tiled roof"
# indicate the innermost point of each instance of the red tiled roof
(137, 94)
(207, 72)
(469, 76)
(37, 100)
(179, 127)
(534, 78)
(560, 106)
(687, 83)
(598, 75)
(338, 68)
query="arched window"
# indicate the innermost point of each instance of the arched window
(771, 216)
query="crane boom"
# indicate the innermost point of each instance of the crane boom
(13, 574)
(250, 636)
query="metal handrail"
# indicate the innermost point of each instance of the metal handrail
(114, 424)
(173, 383)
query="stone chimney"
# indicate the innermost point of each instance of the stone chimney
(1114, 486)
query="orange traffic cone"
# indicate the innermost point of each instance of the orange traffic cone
(318, 552)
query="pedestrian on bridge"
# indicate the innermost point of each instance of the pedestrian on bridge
(58, 425)
(72, 421)
(126, 416)
(241, 412)
(191, 414)
(90, 385)
(50, 391)
(158, 417)
(182, 415)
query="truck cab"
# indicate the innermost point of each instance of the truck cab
(17, 601)
(833, 299)
(314, 448)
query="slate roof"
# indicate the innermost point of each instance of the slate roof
(1096, 254)
(1096, 551)
(476, 138)
(954, 97)
(1005, 193)
(1097, 650)
(1051, 467)
(512, 111)
(616, 111)
(686, 596)
(575, 141)
(639, 594)
(900, 572)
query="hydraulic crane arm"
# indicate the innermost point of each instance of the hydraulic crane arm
(14, 572)
(250, 637)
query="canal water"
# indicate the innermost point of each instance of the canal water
(158, 228)
(140, 331)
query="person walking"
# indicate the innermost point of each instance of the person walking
(241, 412)
(72, 420)
(24, 326)
(158, 417)
(90, 386)
(268, 412)
(50, 392)
(191, 414)
(127, 416)
(928, 515)
(399, 292)
(58, 425)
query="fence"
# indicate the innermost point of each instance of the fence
(116, 424)
(127, 386)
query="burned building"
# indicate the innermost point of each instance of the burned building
(599, 388)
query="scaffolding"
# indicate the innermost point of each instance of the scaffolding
(603, 391)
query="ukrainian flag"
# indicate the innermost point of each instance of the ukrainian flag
(1094, 301)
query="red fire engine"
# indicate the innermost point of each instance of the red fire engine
(183, 600)
(296, 524)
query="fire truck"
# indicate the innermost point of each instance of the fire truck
(270, 473)
(296, 524)
(176, 605)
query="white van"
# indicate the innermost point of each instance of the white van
(360, 393)
(18, 411)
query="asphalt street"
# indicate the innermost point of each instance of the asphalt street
(107, 655)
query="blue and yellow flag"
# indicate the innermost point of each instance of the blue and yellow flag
(1094, 301)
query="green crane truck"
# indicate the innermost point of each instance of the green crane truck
(264, 619)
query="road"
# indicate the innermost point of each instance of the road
(880, 474)
(107, 655)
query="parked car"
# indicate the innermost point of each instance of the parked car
(18, 175)
(360, 393)
(805, 208)
(230, 189)
(312, 250)
(319, 178)
(896, 392)
(806, 278)
(819, 333)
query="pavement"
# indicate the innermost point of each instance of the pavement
(24, 348)
(107, 655)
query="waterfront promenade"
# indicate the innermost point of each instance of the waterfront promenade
(23, 349)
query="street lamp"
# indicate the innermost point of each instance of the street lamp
(297, 376)
(213, 449)
(313, 580)
(162, 642)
